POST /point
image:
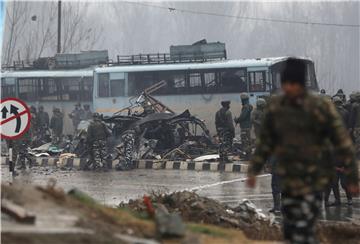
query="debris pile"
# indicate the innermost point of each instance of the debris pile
(195, 208)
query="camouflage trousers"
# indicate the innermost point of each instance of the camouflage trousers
(226, 140)
(129, 143)
(300, 214)
(20, 154)
(98, 154)
(356, 135)
(246, 140)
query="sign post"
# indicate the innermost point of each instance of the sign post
(14, 123)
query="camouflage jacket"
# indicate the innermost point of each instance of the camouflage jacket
(97, 130)
(245, 116)
(298, 135)
(224, 121)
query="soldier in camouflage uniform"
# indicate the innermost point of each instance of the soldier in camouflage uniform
(129, 139)
(225, 130)
(354, 123)
(258, 115)
(296, 128)
(245, 123)
(56, 125)
(96, 140)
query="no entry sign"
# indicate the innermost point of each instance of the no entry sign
(15, 118)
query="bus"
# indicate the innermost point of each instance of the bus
(197, 86)
(50, 88)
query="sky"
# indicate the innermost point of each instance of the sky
(150, 27)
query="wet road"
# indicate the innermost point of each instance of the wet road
(113, 187)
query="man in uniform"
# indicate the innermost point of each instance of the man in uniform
(96, 140)
(56, 125)
(43, 123)
(76, 115)
(340, 94)
(296, 128)
(225, 130)
(87, 115)
(354, 123)
(258, 115)
(129, 139)
(245, 123)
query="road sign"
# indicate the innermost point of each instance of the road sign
(15, 118)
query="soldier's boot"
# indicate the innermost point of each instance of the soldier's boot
(277, 204)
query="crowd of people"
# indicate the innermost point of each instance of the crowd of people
(308, 140)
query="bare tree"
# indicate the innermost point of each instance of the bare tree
(77, 33)
(16, 20)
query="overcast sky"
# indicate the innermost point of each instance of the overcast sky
(132, 28)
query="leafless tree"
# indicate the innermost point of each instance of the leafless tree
(16, 16)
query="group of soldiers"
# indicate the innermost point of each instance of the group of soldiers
(249, 118)
(304, 136)
(44, 129)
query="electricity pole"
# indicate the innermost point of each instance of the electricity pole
(59, 28)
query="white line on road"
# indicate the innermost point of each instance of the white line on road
(222, 183)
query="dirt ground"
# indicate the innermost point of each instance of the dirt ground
(61, 218)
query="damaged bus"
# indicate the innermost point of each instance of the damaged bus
(197, 86)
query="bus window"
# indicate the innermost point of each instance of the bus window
(194, 80)
(139, 81)
(117, 88)
(7, 88)
(86, 88)
(28, 89)
(232, 80)
(103, 85)
(257, 81)
(70, 88)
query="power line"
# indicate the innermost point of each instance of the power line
(172, 9)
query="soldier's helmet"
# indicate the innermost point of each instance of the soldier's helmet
(337, 100)
(340, 91)
(244, 96)
(225, 103)
(261, 103)
(322, 91)
(352, 96)
(41, 107)
(96, 115)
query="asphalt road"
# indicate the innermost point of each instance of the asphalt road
(113, 187)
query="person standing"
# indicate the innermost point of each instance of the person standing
(44, 121)
(96, 140)
(76, 115)
(225, 130)
(56, 125)
(258, 115)
(245, 123)
(87, 115)
(354, 123)
(296, 128)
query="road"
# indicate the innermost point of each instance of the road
(113, 187)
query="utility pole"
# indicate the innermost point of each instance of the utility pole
(59, 28)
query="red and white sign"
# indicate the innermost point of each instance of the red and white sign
(14, 118)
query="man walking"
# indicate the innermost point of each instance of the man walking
(56, 125)
(297, 127)
(225, 130)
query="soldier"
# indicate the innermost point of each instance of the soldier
(348, 105)
(258, 115)
(56, 125)
(76, 115)
(96, 139)
(129, 139)
(245, 123)
(43, 123)
(340, 94)
(87, 115)
(225, 130)
(354, 123)
(344, 114)
(295, 129)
